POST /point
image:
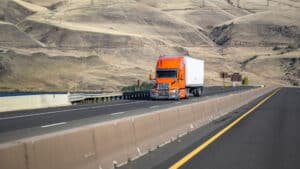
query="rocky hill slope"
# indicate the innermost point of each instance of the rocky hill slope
(107, 44)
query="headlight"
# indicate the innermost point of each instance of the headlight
(173, 91)
(154, 91)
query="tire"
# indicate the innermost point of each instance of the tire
(198, 92)
(187, 96)
(194, 92)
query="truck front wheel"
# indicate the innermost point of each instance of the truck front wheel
(187, 94)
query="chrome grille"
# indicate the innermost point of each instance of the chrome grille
(163, 89)
(163, 86)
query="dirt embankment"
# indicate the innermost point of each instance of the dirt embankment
(98, 69)
(12, 36)
(131, 20)
(266, 29)
(291, 68)
(55, 36)
(17, 10)
(107, 44)
(42, 72)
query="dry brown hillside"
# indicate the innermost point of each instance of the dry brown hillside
(107, 44)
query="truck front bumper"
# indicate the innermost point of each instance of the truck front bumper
(163, 95)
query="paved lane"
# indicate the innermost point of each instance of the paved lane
(59, 115)
(53, 116)
(267, 138)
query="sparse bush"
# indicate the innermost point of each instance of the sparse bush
(291, 46)
(209, 27)
(276, 48)
(144, 86)
(245, 81)
(230, 2)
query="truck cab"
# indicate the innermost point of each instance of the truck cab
(178, 77)
(169, 82)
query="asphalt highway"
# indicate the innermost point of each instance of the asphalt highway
(52, 117)
(265, 136)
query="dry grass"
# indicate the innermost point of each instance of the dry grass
(107, 44)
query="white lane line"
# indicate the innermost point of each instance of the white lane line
(55, 124)
(113, 114)
(59, 111)
(152, 107)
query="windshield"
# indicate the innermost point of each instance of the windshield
(167, 73)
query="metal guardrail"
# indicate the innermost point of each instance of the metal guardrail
(85, 98)
(137, 95)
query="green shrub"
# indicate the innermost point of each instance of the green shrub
(144, 86)
(245, 81)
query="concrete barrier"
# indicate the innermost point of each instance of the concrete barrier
(13, 156)
(12, 103)
(168, 123)
(147, 132)
(74, 149)
(201, 113)
(185, 120)
(113, 143)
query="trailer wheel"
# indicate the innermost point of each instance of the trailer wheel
(198, 92)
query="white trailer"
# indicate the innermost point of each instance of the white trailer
(194, 75)
(178, 77)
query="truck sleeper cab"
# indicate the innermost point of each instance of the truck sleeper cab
(178, 77)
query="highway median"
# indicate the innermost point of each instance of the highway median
(113, 143)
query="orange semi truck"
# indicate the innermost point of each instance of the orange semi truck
(178, 77)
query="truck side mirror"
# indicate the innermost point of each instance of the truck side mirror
(150, 77)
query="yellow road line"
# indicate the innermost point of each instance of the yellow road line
(220, 133)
